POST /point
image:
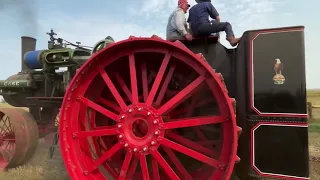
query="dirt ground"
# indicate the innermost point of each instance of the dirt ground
(36, 169)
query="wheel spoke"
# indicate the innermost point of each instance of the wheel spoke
(100, 132)
(195, 121)
(192, 145)
(177, 163)
(190, 152)
(98, 108)
(7, 127)
(199, 104)
(105, 156)
(144, 167)
(185, 93)
(124, 86)
(144, 81)
(112, 88)
(133, 167)
(125, 166)
(3, 156)
(133, 78)
(109, 104)
(155, 169)
(208, 142)
(166, 167)
(165, 85)
(158, 79)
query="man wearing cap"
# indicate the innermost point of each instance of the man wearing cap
(177, 27)
(202, 26)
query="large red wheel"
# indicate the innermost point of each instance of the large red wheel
(146, 108)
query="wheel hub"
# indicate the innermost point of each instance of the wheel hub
(140, 128)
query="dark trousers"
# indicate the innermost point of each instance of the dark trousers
(213, 27)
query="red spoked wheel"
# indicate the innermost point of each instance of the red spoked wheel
(146, 108)
(18, 137)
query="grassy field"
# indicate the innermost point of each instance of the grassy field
(37, 168)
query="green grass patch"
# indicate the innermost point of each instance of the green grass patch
(314, 127)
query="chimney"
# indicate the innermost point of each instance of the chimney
(27, 44)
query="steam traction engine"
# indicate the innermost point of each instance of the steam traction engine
(146, 108)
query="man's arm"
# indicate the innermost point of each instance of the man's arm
(180, 23)
(213, 12)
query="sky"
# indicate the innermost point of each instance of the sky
(91, 21)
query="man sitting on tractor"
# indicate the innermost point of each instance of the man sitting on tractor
(177, 27)
(202, 26)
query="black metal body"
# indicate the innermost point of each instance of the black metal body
(274, 141)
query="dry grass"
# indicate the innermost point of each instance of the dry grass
(37, 168)
(314, 149)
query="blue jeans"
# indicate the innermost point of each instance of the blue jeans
(213, 27)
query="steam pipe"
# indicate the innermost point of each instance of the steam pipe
(27, 44)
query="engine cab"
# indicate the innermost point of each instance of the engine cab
(266, 76)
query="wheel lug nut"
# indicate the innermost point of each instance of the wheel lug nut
(130, 110)
(126, 145)
(145, 149)
(120, 136)
(153, 143)
(135, 149)
(148, 113)
(119, 126)
(156, 133)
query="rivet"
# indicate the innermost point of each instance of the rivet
(139, 109)
(135, 149)
(85, 173)
(119, 126)
(130, 110)
(145, 149)
(122, 116)
(155, 122)
(153, 142)
(156, 133)
(148, 113)
(120, 136)
(126, 145)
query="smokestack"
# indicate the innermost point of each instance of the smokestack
(27, 44)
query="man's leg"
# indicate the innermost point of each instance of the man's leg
(215, 27)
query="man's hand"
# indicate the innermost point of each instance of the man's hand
(188, 37)
(218, 19)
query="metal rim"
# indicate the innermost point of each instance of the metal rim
(18, 137)
(179, 74)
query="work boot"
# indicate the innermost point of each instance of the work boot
(233, 41)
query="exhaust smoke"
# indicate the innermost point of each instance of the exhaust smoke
(25, 15)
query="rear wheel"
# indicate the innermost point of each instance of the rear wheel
(145, 108)
(18, 137)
